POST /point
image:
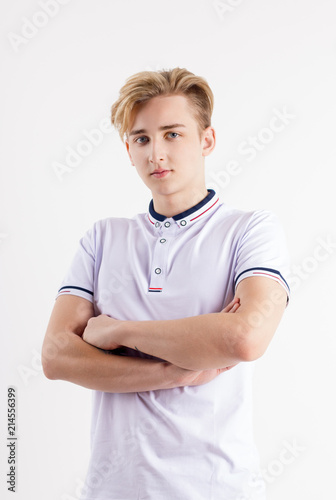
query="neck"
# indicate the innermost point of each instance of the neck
(176, 203)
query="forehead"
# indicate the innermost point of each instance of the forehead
(162, 110)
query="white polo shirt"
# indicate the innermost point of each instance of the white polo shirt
(188, 443)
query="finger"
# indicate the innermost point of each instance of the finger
(235, 307)
(227, 368)
(230, 305)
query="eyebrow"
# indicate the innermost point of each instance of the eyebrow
(164, 127)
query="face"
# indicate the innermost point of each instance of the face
(165, 145)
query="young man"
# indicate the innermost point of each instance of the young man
(169, 347)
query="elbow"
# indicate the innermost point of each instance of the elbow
(250, 352)
(250, 347)
(49, 360)
(48, 368)
(59, 353)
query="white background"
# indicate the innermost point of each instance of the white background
(61, 79)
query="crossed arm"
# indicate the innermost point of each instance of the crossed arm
(196, 349)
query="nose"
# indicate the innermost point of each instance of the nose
(156, 153)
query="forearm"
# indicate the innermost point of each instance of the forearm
(85, 365)
(197, 343)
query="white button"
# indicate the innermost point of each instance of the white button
(167, 224)
(157, 224)
(157, 270)
(163, 240)
(183, 222)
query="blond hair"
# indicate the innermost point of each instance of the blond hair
(145, 85)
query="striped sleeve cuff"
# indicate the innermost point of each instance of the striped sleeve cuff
(266, 272)
(75, 290)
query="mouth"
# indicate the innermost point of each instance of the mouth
(160, 173)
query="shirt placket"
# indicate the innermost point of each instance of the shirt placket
(165, 233)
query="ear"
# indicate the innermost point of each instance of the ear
(208, 140)
(128, 151)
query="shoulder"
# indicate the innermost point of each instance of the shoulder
(105, 230)
(245, 219)
(111, 224)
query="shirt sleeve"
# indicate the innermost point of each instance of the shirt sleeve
(262, 250)
(79, 279)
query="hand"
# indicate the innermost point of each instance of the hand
(201, 377)
(99, 332)
(233, 306)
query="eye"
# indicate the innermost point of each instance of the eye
(173, 135)
(141, 140)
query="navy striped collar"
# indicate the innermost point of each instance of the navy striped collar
(159, 217)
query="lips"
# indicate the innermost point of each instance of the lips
(160, 173)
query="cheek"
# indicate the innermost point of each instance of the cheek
(189, 156)
(140, 170)
(137, 157)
